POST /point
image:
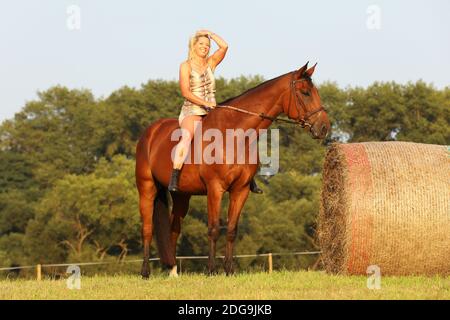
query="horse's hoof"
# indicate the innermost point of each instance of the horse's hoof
(212, 273)
(173, 272)
(145, 272)
(229, 272)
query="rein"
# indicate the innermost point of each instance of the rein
(262, 114)
(302, 122)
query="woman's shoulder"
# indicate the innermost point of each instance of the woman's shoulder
(185, 65)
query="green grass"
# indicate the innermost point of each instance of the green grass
(278, 285)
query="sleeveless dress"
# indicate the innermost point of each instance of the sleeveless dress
(204, 87)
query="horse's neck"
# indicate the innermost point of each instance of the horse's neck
(265, 101)
(266, 105)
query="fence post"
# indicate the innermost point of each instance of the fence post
(270, 262)
(39, 272)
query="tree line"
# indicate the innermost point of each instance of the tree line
(67, 190)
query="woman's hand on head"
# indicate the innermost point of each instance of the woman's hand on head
(204, 32)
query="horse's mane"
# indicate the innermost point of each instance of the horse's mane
(259, 87)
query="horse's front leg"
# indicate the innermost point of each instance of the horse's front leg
(238, 196)
(215, 193)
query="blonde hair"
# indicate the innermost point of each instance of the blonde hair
(192, 41)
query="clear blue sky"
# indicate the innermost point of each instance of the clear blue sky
(129, 42)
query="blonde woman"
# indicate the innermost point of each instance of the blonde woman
(198, 88)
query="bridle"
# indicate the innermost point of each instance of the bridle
(301, 121)
(299, 103)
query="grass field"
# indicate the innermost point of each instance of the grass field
(278, 285)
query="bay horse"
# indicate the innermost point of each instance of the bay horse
(293, 94)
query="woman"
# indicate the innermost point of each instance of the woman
(197, 87)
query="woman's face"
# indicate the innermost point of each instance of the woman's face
(201, 48)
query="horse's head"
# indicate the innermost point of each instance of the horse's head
(302, 103)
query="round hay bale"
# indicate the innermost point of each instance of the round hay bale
(386, 204)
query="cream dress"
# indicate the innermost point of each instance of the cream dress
(204, 87)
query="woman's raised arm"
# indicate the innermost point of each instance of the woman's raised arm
(220, 53)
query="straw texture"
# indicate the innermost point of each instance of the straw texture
(386, 204)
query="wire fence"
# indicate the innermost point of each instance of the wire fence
(38, 267)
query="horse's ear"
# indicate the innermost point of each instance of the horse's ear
(310, 71)
(302, 70)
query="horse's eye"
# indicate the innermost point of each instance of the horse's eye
(306, 93)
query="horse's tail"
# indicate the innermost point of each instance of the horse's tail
(161, 227)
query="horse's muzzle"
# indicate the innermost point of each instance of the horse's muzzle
(319, 133)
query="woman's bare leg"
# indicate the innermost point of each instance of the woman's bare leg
(189, 125)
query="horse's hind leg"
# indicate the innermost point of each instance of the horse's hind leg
(179, 211)
(147, 193)
(215, 193)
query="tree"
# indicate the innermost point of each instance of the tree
(67, 171)
(86, 216)
(55, 134)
